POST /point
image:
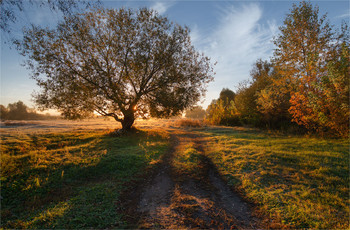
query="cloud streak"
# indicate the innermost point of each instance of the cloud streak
(347, 15)
(162, 7)
(238, 40)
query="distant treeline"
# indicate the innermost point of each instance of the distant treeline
(19, 111)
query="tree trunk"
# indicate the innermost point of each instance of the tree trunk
(128, 121)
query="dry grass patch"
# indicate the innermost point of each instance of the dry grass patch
(189, 123)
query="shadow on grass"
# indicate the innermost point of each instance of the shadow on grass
(301, 182)
(80, 181)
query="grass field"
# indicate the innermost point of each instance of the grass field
(71, 179)
(298, 182)
(61, 177)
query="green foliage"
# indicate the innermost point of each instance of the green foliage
(119, 63)
(298, 182)
(330, 105)
(71, 179)
(248, 94)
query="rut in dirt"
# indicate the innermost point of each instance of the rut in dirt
(174, 199)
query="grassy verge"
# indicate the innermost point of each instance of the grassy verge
(298, 182)
(71, 179)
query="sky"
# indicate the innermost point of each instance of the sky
(234, 34)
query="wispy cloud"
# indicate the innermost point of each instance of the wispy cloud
(347, 15)
(162, 7)
(236, 43)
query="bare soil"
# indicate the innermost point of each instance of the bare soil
(170, 199)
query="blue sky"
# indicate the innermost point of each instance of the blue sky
(232, 33)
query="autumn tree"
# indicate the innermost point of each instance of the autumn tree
(119, 63)
(304, 49)
(331, 104)
(302, 45)
(17, 111)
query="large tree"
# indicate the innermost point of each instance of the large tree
(301, 59)
(119, 63)
(313, 66)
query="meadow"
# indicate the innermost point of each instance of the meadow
(72, 175)
(296, 181)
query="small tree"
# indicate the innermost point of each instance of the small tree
(119, 63)
(223, 111)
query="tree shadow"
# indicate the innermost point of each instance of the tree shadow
(79, 194)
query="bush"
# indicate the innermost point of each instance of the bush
(189, 123)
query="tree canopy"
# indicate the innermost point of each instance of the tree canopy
(120, 63)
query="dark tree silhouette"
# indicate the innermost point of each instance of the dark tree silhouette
(227, 95)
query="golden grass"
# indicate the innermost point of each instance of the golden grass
(297, 182)
(188, 123)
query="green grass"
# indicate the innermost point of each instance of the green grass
(72, 179)
(298, 182)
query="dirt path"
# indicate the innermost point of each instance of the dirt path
(173, 198)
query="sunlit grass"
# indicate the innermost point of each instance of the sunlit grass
(72, 179)
(187, 160)
(298, 182)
